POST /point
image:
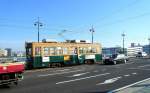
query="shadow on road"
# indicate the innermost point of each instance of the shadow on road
(4, 87)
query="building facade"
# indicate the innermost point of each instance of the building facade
(3, 53)
(146, 49)
(9, 52)
(111, 51)
(134, 50)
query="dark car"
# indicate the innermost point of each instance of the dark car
(114, 59)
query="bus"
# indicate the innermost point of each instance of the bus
(52, 53)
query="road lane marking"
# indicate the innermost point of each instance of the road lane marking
(119, 89)
(104, 69)
(82, 78)
(109, 81)
(144, 66)
(44, 75)
(95, 71)
(139, 68)
(47, 69)
(144, 69)
(62, 70)
(127, 75)
(134, 73)
(124, 64)
(76, 75)
(129, 63)
(118, 65)
(134, 68)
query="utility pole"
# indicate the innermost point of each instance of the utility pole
(38, 24)
(149, 46)
(92, 31)
(123, 35)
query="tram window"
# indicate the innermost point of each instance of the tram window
(52, 50)
(46, 51)
(93, 50)
(38, 51)
(59, 51)
(65, 51)
(89, 50)
(73, 51)
(81, 50)
(84, 50)
(29, 52)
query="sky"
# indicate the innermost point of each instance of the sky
(109, 18)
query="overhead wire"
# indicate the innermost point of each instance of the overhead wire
(114, 12)
(104, 17)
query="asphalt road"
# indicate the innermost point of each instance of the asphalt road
(82, 79)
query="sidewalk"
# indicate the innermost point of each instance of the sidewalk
(140, 87)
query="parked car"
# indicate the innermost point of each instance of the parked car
(141, 54)
(114, 59)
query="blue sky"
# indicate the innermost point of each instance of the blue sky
(110, 18)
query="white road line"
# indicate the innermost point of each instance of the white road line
(82, 78)
(62, 70)
(95, 71)
(117, 67)
(127, 75)
(132, 68)
(139, 68)
(58, 73)
(104, 69)
(123, 64)
(144, 69)
(47, 69)
(144, 66)
(76, 75)
(119, 89)
(134, 73)
(109, 81)
(130, 63)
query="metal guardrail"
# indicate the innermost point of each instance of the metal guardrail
(12, 59)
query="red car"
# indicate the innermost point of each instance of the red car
(11, 73)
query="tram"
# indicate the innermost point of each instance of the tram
(52, 53)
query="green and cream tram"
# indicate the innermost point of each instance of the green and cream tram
(47, 54)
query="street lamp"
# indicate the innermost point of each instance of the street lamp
(38, 24)
(149, 45)
(123, 35)
(92, 31)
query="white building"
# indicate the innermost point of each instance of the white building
(134, 50)
(3, 53)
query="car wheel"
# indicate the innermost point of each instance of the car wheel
(125, 61)
(114, 62)
(104, 62)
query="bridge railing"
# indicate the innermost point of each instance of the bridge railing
(12, 59)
